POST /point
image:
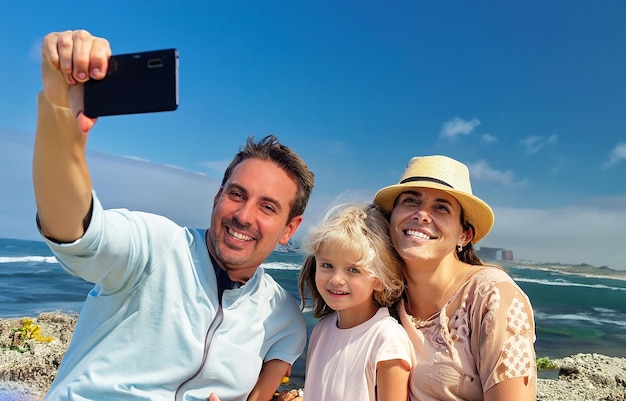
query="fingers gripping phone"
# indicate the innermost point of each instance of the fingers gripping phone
(143, 82)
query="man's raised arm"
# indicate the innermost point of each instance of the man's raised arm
(60, 174)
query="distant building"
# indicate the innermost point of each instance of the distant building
(507, 254)
(486, 253)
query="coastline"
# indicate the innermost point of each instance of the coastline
(567, 269)
(26, 376)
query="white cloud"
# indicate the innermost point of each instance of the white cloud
(457, 126)
(35, 51)
(216, 168)
(534, 144)
(137, 158)
(560, 164)
(336, 147)
(183, 196)
(553, 140)
(489, 138)
(591, 233)
(617, 155)
(481, 171)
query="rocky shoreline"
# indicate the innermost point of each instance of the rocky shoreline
(26, 376)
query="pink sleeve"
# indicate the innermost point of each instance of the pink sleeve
(503, 333)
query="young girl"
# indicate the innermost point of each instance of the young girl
(357, 351)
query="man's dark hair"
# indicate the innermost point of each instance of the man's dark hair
(269, 148)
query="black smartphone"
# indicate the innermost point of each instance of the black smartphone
(142, 82)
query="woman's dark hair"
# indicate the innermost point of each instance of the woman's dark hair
(467, 254)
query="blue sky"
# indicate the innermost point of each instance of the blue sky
(530, 95)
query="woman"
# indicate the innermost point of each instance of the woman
(471, 326)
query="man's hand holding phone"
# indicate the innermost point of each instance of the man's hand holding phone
(68, 59)
(77, 74)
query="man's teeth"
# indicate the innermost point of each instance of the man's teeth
(240, 236)
(417, 234)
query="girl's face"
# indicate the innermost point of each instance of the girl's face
(345, 286)
(425, 224)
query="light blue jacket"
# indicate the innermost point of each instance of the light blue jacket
(152, 327)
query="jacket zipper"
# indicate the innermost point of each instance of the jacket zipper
(217, 321)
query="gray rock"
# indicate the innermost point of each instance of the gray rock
(27, 376)
(586, 377)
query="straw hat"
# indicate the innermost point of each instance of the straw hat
(446, 174)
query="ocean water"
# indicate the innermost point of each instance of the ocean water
(573, 313)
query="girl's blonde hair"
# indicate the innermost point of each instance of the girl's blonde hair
(364, 230)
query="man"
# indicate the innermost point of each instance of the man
(175, 313)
